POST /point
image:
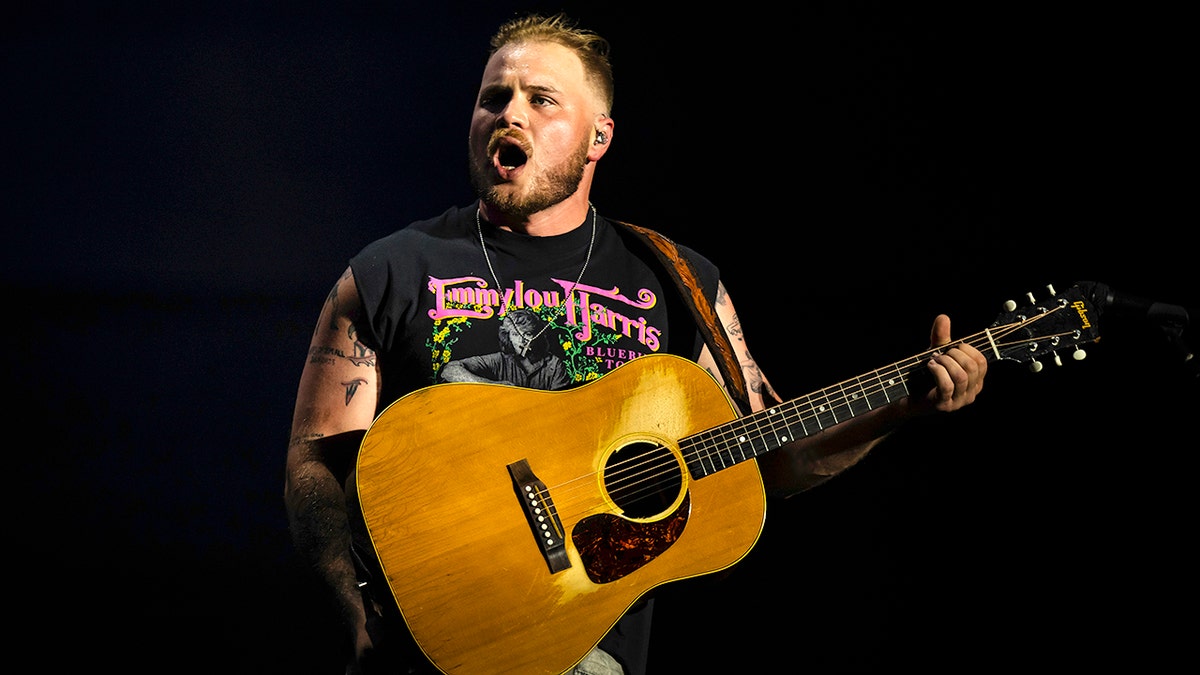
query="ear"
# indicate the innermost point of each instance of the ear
(602, 136)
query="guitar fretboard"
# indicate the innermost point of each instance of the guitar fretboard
(754, 435)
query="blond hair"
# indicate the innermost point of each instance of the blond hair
(591, 49)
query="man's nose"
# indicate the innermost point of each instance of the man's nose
(514, 114)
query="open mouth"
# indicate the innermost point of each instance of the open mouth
(510, 157)
(509, 153)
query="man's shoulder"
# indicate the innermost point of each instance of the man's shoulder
(667, 248)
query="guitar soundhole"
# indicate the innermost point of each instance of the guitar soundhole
(643, 479)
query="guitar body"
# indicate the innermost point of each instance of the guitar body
(445, 478)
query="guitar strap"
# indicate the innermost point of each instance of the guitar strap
(692, 292)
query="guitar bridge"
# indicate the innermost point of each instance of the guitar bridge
(541, 515)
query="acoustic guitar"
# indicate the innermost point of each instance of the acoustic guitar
(515, 526)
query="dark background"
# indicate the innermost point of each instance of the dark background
(182, 186)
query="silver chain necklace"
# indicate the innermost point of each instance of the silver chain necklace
(561, 307)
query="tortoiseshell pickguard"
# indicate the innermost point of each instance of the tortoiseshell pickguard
(612, 547)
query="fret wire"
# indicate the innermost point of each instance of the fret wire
(751, 436)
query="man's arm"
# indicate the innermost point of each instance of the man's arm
(958, 373)
(335, 404)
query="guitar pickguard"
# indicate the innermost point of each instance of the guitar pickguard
(612, 547)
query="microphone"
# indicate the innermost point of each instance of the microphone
(1112, 303)
(1170, 319)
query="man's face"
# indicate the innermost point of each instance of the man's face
(532, 127)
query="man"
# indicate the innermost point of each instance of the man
(433, 296)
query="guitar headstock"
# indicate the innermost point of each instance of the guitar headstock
(1061, 324)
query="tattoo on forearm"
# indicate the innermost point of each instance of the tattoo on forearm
(754, 378)
(756, 382)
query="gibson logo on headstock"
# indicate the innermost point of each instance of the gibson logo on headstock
(1081, 308)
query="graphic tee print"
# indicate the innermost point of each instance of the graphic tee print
(434, 305)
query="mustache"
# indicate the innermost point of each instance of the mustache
(504, 137)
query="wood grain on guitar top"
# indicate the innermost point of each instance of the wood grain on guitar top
(455, 546)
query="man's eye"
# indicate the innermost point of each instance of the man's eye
(493, 102)
(541, 100)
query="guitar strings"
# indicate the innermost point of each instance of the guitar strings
(648, 475)
(652, 471)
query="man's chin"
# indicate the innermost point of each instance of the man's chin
(509, 198)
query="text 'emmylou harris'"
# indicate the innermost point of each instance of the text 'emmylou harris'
(470, 297)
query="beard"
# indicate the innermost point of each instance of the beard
(543, 191)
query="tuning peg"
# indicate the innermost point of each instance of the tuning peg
(1057, 359)
(1032, 300)
(1050, 287)
(1010, 306)
(1035, 366)
(1079, 354)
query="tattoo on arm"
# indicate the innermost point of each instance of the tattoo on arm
(735, 330)
(322, 355)
(363, 355)
(332, 301)
(352, 388)
(305, 438)
(755, 380)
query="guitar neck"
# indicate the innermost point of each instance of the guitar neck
(1021, 335)
(759, 433)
